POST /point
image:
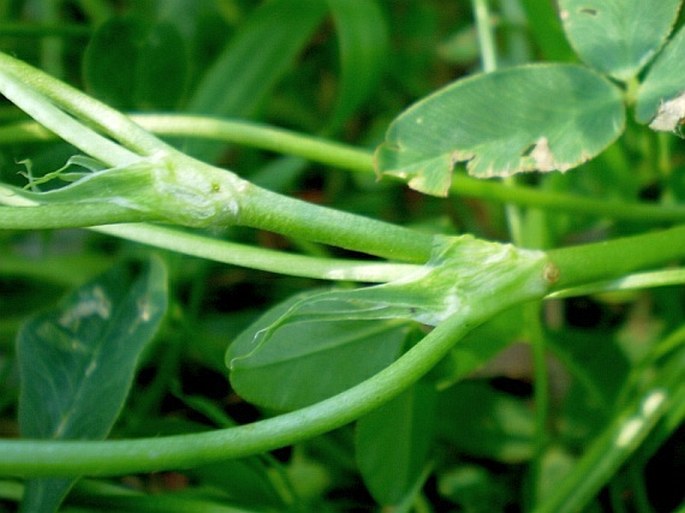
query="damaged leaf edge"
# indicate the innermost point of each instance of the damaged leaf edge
(670, 115)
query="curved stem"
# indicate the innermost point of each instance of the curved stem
(32, 458)
(259, 136)
(97, 114)
(72, 131)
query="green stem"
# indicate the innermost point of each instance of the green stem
(605, 260)
(69, 458)
(526, 196)
(41, 458)
(486, 39)
(274, 212)
(43, 217)
(260, 136)
(25, 216)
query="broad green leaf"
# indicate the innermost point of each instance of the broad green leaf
(618, 37)
(483, 422)
(305, 362)
(661, 96)
(253, 61)
(529, 118)
(77, 363)
(363, 46)
(132, 63)
(393, 442)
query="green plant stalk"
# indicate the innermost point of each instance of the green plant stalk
(354, 159)
(34, 458)
(26, 216)
(281, 214)
(580, 265)
(43, 217)
(486, 39)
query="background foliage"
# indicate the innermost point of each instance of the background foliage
(498, 424)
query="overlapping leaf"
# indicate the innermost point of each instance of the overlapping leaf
(618, 37)
(393, 442)
(253, 61)
(363, 45)
(305, 362)
(539, 117)
(661, 96)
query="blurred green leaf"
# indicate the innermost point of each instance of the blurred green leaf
(538, 117)
(474, 489)
(254, 60)
(363, 42)
(305, 362)
(618, 37)
(480, 421)
(77, 363)
(545, 28)
(132, 63)
(393, 443)
(661, 96)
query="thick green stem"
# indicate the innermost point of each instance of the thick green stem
(610, 259)
(44, 217)
(270, 211)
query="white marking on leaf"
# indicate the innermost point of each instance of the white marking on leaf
(542, 155)
(629, 431)
(671, 113)
(653, 401)
(96, 303)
